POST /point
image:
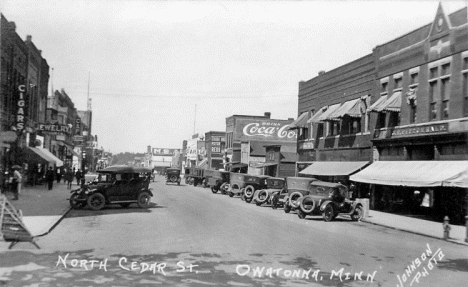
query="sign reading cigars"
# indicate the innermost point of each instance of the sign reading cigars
(269, 130)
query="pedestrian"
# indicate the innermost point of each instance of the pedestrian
(69, 178)
(17, 178)
(50, 178)
(59, 175)
(78, 176)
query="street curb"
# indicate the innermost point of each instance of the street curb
(414, 232)
(55, 224)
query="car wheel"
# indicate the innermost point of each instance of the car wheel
(224, 187)
(248, 199)
(258, 203)
(205, 183)
(96, 201)
(301, 214)
(274, 202)
(187, 180)
(74, 203)
(287, 208)
(144, 199)
(213, 189)
(357, 214)
(231, 194)
(124, 205)
(328, 213)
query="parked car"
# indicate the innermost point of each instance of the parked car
(253, 183)
(218, 181)
(122, 185)
(173, 176)
(274, 185)
(238, 182)
(194, 175)
(296, 187)
(330, 200)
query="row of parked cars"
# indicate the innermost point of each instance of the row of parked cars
(306, 196)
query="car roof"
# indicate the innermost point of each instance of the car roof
(125, 169)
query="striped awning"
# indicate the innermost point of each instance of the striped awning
(393, 104)
(300, 122)
(376, 107)
(326, 115)
(314, 118)
(351, 108)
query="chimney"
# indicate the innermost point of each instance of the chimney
(267, 115)
(12, 25)
(321, 73)
(28, 38)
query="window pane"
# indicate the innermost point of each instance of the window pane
(433, 115)
(432, 89)
(384, 87)
(433, 73)
(465, 105)
(465, 63)
(398, 83)
(445, 88)
(446, 69)
(445, 110)
(414, 78)
(413, 114)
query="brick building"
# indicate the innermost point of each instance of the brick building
(215, 143)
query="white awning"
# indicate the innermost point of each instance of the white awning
(58, 162)
(415, 173)
(334, 168)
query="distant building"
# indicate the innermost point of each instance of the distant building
(215, 143)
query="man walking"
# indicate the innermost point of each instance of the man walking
(17, 178)
(69, 178)
(78, 176)
(50, 174)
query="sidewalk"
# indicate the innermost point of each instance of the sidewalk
(417, 226)
(42, 209)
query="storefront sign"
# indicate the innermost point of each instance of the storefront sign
(215, 149)
(20, 114)
(60, 137)
(306, 145)
(164, 151)
(77, 126)
(411, 131)
(50, 128)
(269, 130)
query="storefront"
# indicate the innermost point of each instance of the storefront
(426, 189)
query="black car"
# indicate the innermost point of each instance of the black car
(173, 176)
(121, 185)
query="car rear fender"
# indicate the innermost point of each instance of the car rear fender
(354, 206)
(149, 190)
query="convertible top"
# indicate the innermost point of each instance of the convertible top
(125, 169)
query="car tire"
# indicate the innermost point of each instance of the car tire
(262, 196)
(96, 201)
(248, 199)
(144, 199)
(187, 180)
(301, 214)
(249, 191)
(173, 178)
(213, 189)
(75, 204)
(328, 213)
(224, 187)
(287, 208)
(124, 205)
(307, 204)
(274, 202)
(357, 214)
(294, 198)
(231, 194)
(205, 183)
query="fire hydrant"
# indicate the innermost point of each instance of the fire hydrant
(446, 227)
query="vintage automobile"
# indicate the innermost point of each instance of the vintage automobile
(121, 185)
(194, 175)
(218, 181)
(274, 185)
(173, 176)
(297, 187)
(252, 184)
(239, 181)
(330, 200)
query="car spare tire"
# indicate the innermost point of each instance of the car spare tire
(294, 199)
(262, 196)
(307, 204)
(173, 178)
(249, 191)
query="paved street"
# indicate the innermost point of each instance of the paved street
(229, 243)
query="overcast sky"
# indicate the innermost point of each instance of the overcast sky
(151, 62)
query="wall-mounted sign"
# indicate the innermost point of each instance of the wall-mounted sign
(54, 128)
(20, 113)
(306, 145)
(77, 126)
(269, 130)
(60, 137)
(215, 149)
(165, 151)
(399, 132)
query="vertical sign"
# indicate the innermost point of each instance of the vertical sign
(20, 115)
(77, 126)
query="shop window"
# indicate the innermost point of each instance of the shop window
(320, 130)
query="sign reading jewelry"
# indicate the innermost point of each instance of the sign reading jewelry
(54, 128)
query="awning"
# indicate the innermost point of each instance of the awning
(266, 164)
(37, 156)
(334, 168)
(203, 164)
(300, 122)
(415, 173)
(376, 107)
(58, 162)
(327, 113)
(239, 165)
(393, 104)
(353, 105)
(314, 118)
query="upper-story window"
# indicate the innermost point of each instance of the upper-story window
(465, 83)
(398, 83)
(439, 89)
(414, 78)
(383, 87)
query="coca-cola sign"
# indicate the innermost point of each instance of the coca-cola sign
(270, 130)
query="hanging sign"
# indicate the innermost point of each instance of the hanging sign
(20, 114)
